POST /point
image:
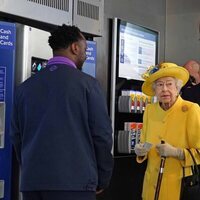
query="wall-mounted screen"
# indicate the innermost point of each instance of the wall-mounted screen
(137, 50)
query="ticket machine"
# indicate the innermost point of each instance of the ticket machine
(24, 51)
(32, 51)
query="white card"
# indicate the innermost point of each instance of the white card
(147, 146)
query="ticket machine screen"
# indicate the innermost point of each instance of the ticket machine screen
(37, 64)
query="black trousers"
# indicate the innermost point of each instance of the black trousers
(58, 195)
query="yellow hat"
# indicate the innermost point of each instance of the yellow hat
(162, 70)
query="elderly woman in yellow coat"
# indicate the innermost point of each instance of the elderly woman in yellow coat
(173, 120)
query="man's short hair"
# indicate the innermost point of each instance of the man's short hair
(63, 36)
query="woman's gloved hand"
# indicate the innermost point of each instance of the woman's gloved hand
(167, 150)
(140, 150)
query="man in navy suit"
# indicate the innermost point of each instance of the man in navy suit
(60, 126)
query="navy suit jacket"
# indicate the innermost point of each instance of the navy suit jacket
(61, 131)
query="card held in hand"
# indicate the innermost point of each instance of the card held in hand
(147, 146)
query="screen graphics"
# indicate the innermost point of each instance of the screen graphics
(137, 50)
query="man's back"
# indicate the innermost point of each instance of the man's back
(60, 113)
(60, 126)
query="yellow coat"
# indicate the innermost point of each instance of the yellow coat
(178, 126)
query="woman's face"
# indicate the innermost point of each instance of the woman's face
(166, 90)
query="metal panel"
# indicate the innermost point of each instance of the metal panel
(88, 16)
(31, 42)
(113, 76)
(55, 12)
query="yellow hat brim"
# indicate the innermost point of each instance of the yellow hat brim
(175, 71)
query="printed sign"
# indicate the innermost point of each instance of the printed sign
(7, 36)
(89, 66)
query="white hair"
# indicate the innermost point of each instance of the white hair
(178, 82)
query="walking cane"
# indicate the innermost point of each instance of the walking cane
(162, 165)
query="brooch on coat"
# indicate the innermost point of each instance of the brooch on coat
(184, 108)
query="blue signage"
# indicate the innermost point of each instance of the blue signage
(138, 31)
(7, 62)
(7, 36)
(89, 66)
(91, 52)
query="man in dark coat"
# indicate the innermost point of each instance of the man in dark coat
(60, 126)
(191, 91)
